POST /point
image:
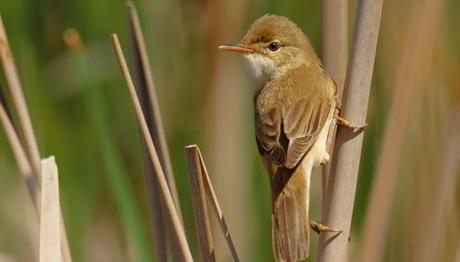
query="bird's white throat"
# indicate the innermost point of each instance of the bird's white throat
(262, 69)
(259, 68)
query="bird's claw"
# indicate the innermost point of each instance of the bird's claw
(354, 128)
(318, 227)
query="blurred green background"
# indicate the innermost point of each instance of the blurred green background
(82, 114)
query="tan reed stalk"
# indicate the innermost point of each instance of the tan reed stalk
(147, 95)
(429, 238)
(342, 182)
(216, 207)
(335, 58)
(203, 226)
(415, 57)
(226, 108)
(156, 125)
(335, 52)
(14, 84)
(50, 244)
(165, 193)
(31, 145)
(26, 171)
(20, 155)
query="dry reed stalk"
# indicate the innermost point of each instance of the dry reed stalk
(147, 95)
(14, 84)
(216, 207)
(226, 114)
(153, 109)
(33, 154)
(335, 58)
(65, 248)
(50, 248)
(345, 165)
(198, 168)
(115, 173)
(165, 193)
(203, 226)
(19, 154)
(457, 256)
(429, 239)
(27, 174)
(415, 57)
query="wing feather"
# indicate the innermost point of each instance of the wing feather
(285, 136)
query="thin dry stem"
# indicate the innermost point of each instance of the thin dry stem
(144, 83)
(216, 207)
(199, 203)
(26, 171)
(156, 126)
(418, 47)
(18, 98)
(28, 174)
(225, 108)
(166, 194)
(50, 245)
(343, 179)
(429, 238)
(20, 155)
(65, 248)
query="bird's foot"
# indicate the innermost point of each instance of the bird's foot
(345, 123)
(318, 227)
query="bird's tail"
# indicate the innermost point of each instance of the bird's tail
(290, 223)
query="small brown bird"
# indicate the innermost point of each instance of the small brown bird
(295, 106)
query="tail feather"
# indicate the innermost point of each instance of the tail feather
(290, 218)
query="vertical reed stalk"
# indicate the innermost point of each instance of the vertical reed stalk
(345, 167)
(147, 95)
(335, 58)
(203, 226)
(28, 175)
(226, 110)
(216, 207)
(417, 52)
(50, 248)
(152, 111)
(115, 172)
(19, 154)
(166, 194)
(14, 84)
(33, 154)
(429, 238)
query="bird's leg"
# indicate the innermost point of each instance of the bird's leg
(354, 128)
(318, 227)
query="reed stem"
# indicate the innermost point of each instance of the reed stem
(166, 194)
(333, 247)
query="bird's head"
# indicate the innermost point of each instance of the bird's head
(272, 46)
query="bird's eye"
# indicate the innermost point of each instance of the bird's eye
(273, 46)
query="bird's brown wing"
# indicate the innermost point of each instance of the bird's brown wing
(303, 122)
(285, 136)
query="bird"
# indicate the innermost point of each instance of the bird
(295, 106)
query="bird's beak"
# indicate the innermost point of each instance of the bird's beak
(237, 48)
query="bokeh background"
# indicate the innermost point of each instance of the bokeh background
(82, 114)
